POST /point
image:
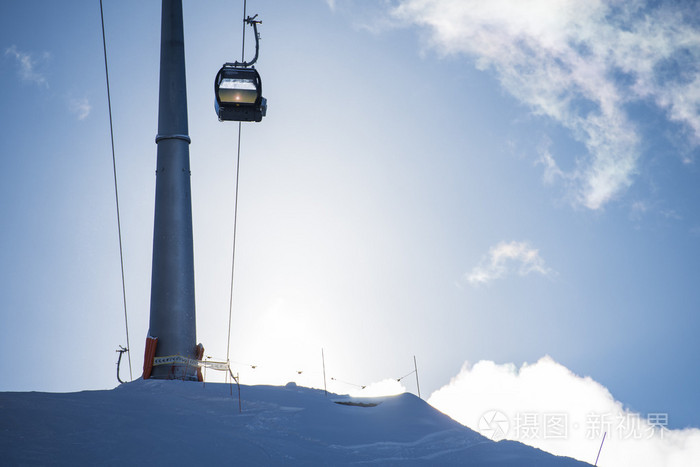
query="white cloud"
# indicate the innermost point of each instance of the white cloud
(579, 63)
(505, 259)
(28, 65)
(80, 107)
(552, 172)
(547, 406)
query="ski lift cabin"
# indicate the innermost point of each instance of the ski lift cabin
(238, 92)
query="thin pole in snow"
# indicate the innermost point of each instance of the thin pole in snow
(323, 359)
(238, 384)
(600, 449)
(415, 366)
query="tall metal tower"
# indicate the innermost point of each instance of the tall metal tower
(172, 318)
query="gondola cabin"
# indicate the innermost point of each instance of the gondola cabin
(238, 92)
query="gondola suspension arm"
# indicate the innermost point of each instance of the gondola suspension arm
(251, 21)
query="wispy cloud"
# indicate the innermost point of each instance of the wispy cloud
(552, 172)
(28, 65)
(80, 107)
(549, 407)
(579, 63)
(505, 259)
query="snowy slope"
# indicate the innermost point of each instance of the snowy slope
(177, 423)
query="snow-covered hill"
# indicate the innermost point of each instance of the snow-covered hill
(178, 423)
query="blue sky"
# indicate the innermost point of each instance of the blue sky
(455, 181)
